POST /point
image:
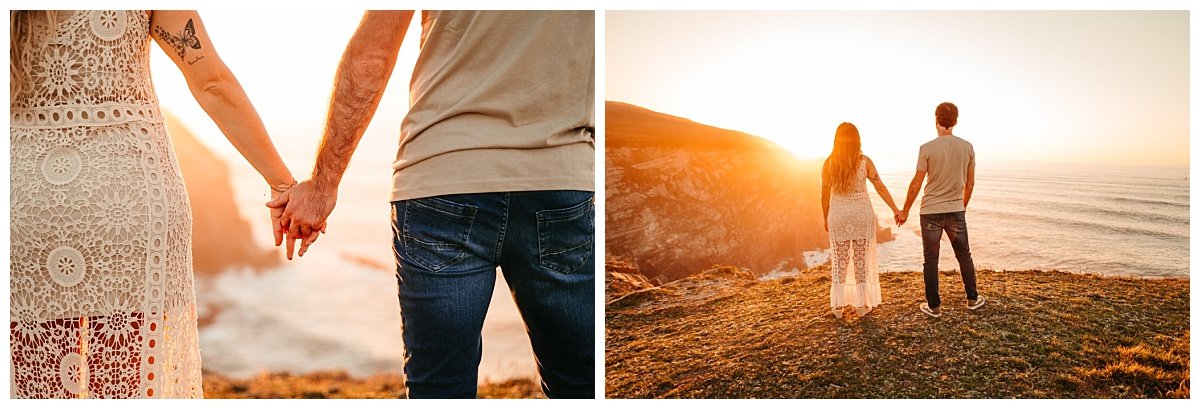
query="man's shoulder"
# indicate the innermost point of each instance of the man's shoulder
(948, 140)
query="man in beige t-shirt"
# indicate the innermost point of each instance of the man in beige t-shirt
(494, 169)
(949, 164)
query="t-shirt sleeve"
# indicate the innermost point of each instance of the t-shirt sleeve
(923, 160)
(970, 155)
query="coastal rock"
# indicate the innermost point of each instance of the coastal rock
(884, 234)
(622, 278)
(682, 196)
(626, 288)
(221, 238)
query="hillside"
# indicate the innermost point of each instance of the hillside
(221, 238)
(682, 196)
(340, 385)
(1043, 334)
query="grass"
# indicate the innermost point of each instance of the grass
(339, 384)
(1042, 334)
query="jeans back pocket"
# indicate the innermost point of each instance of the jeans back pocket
(436, 231)
(566, 236)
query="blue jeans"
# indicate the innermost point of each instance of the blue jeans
(955, 226)
(447, 250)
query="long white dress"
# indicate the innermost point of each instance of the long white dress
(102, 302)
(853, 263)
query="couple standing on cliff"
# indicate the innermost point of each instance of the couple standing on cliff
(949, 164)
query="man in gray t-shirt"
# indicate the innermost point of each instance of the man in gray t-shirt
(494, 169)
(949, 164)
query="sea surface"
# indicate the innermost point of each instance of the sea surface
(336, 308)
(1126, 221)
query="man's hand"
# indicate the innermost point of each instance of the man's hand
(305, 209)
(361, 77)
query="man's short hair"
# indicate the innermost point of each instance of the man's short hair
(947, 115)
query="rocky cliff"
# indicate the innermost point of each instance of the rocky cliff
(683, 196)
(221, 238)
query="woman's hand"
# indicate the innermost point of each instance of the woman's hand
(276, 226)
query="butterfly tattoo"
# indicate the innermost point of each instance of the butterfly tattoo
(182, 41)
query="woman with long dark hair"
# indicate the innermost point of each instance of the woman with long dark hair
(850, 221)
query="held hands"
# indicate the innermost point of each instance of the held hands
(303, 212)
(901, 217)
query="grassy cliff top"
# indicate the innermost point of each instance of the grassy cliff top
(339, 384)
(1042, 334)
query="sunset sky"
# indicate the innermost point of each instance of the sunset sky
(1060, 87)
(287, 69)
(289, 82)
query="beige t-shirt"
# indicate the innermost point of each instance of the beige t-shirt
(500, 101)
(946, 160)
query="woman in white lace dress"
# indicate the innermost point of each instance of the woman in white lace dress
(850, 221)
(102, 303)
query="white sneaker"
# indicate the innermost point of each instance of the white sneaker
(929, 311)
(977, 303)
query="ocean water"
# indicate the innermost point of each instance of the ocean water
(327, 314)
(1128, 221)
(336, 308)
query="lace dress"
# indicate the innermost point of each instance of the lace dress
(102, 302)
(852, 240)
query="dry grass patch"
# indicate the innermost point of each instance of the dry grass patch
(1043, 334)
(340, 385)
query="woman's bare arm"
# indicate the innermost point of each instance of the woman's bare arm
(825, 194)
(182, 36)
(873, 176)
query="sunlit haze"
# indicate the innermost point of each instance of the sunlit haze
(288, 77)
(1105, 87)
(289, 83)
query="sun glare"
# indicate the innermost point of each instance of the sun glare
(1056, 92)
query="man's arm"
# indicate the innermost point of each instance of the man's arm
(358, 86)
(914, 188)
(363, 74)
(970, 186)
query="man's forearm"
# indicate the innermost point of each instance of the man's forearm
(969, 187)
(358, 87)
(913, 189)
(967, 194)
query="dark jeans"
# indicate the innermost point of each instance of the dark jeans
(447, 250)
(955, 226)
